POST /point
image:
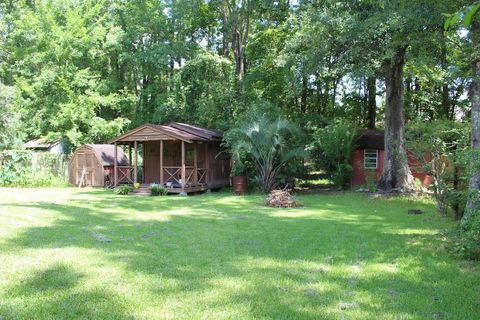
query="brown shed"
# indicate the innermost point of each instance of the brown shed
(182, 157)
(96, 163)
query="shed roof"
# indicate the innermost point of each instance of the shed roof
(106, 154)
(371, 139)
(205, 133)
(40, 143)
(176, 131)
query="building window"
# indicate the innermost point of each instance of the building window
(370, 159)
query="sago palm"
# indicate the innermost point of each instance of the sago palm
(265, 144)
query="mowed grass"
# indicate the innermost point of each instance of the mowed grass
(84, 253)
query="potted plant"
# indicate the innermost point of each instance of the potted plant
(239, 178)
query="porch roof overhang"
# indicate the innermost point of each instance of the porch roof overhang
(171, 131)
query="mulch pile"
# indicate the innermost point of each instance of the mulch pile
(280, 199)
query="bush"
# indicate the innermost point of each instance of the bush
(157, 190)
(21, 168)
(441, 151)
(332, 149)
(123, 190)
(269, 145)
(466, 242)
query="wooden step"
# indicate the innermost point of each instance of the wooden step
(142, 191)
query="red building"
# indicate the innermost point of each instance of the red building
(367, 160)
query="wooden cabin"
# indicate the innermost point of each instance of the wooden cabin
(367, 159)
(182, 157)
(93, 165)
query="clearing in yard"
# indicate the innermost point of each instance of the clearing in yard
(84, 253)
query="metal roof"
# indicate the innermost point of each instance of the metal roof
(40, 143)
(106, 154)
(178, 131)
(198, 131)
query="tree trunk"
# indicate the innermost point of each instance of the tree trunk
(396, 173)
(408, 105)
(319, 94)
(456, 185)
(473, 202)
(446, 101)
(415, 101)
(303, 98)
(225, 37)
(371, 102)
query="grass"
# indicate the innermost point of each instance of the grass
(70, 253)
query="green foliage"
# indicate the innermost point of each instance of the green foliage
(268, 145)
(465, 242)
(29, 169)
(64, 48)
(10, 125)
(440, 148)
(89, 70)
(123, 190)
(370, 181)
(464, 15)
(331, 150)
(206, 87)
(158, 190)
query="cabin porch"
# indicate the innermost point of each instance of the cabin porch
(177, 165)
(181, 157)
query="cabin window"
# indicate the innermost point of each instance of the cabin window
(370, 159)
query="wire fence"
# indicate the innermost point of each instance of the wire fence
(25, 168)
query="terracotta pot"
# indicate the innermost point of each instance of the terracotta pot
(239, 184)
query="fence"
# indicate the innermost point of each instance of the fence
(24, 168)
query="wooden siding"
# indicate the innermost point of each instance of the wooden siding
(85, 158)
(219, 167)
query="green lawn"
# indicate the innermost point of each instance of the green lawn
(70, 253)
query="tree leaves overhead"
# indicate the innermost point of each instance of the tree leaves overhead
(88, 70)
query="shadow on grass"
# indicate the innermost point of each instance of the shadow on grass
(198, 241)
(52, 294)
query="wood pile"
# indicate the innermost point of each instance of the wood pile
(280, 199)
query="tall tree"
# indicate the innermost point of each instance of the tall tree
(473, 203)
(371, 102)
(396, 173)
(388, 32)
(470, 18)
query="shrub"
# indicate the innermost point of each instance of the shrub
(21, 168)
(441, 150)
(465, 242)
(269, 146)
(157, 190)
(123, 190)
(332, 149)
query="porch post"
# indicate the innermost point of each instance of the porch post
(195, 165)
(135, 162)
(183, 165)
(115, 165)
(161, 161)
(130, 152)
(207, 165)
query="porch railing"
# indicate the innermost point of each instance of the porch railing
(193, 177)
(125, 174)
